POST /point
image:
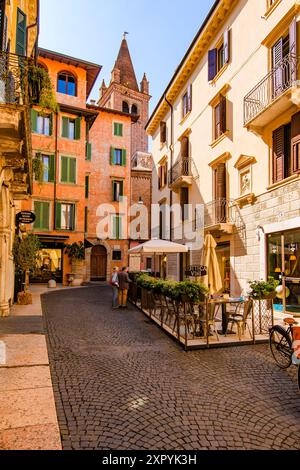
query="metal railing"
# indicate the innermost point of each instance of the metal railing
(13, 79)
(219, 211)
(183, 167)
(280, 79)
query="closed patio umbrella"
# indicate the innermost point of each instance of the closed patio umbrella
(213, 278)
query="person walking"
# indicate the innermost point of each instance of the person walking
(114, 282)
(124, 281)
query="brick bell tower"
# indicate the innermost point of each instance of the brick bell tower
(124, 94)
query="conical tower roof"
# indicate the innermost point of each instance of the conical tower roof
(124, 65)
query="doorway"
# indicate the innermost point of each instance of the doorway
(223, 255)
(99, 263)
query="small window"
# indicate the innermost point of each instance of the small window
(134, 109)
(219, 56)
(41, 123)
(163, 175)
(65, 216)
(125, 107)
(71, 128)
(118, 129)
(184, 202)
(68, 170)
(187, 102)
(163, 132)
(87, 186)
(86, 216)
(66, 84)
(117, 233)
(118, 157)
(42, 213)
(117, 191)
(220, 118)
(117, 255)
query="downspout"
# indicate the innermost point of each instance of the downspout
(56, 172)
(172, 159)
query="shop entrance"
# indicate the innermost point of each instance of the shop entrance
(223, 255)
(49, 265)
(99, 263)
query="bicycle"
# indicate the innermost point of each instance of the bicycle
(281, 345)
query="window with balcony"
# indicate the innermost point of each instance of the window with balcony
(65, 216)
(220, 193)
(66, 84)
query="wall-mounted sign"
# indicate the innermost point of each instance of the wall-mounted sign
(25, 217)
(196, 271)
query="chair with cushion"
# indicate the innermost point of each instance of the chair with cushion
(240, 318)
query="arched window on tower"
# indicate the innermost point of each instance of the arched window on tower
(134, 109)
(125, 107)
(66, 84)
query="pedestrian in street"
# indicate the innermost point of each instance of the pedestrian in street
(124, 281)
(114, 282)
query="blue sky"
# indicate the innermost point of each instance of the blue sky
(160, 33)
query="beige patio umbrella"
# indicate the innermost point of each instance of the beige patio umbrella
(213, 278)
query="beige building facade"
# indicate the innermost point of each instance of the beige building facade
(225, 136)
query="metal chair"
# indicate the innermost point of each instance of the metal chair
(240, 318)
(210, 322)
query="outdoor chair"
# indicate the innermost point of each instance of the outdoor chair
(209, 324)
(185, 316)
(157, 306)
(171, 311)
(240, 318)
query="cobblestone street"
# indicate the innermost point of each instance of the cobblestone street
(120, 383)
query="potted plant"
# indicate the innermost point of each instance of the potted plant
(25, 253)
(76, 253)
(262, 290)
(41, 90)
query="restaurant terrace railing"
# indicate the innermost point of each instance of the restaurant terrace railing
(183, 167)
(13, 79)
(273, 85)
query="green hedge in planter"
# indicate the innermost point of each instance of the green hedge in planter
(263, 289)
(188, 291)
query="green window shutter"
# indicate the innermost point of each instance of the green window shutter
(115, 128)
(118, 129)
(119, 228)
(51, 124)
(21, 33)
(45, 216)
(51, 170)
(122, 188)
(113, 191)
(37, 211)
(121, 130)
(72, 170)
(64, 169)
(77, 128)
(114, 234)
(34, 117)
(73, 217)
(85, 219)
(65, 127)
(58, 216)
(88, 151)
(112, 156)
(123, 157)
(87, 186)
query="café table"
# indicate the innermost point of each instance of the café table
(223, 302)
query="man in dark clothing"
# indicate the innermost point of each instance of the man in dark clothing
(124, 281)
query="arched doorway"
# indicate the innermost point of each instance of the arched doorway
(98, 263)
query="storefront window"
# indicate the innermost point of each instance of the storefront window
(284, 256)
(49, 265)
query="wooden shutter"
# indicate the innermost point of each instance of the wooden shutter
(220, 182)
(21, 33)
(51, 169)
(185, 148)
(73, 216)
(159, 177)
(190, 97)
(88, 151)
(223, 114)
(165, 170)
(278, 155)
(112, 155)
(77, 128)
(163, 132)
(64, 169)
(226, 46)
(119, 227)
(277, 57)
(45, 215)
(50, 124)
(72, 170)
(86, 211)
(121, 188)
(212, 64)
(184, 201)
(65, 127)
(37, 211)
(293, 49)
(295, 140)
(87, 186)
(124, 157)
(34, 118)
(58, 216)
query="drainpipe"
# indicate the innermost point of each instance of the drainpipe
(56, 173)
(172, 159)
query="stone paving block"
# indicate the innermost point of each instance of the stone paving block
(41, 437)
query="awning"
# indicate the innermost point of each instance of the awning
(157, 246)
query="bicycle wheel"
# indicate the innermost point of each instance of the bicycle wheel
(281, 347)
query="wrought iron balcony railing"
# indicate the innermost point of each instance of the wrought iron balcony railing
(279, 80)
(183, 167)
(219, 211)
(13, 79)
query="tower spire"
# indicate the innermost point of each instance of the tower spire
(125, 66)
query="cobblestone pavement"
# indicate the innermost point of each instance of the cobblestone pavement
(120, 383)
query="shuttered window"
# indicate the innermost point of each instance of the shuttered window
(219, 56)
(3, 26)
(68, 170)
(184, 201)
(163, 132)
(87, 186)
(88, 151)
(117, 190)
(163, 175)
(42, 212)
(187, 101)
(41, 124)
(65, 216)
(278, 155)
(21, 33)
(220, 118)
(71, 128)
(118, 156)
(48, 162)
(220, 188)
(295, 136)
(117, 227)
(86, 221)
(118, 129)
